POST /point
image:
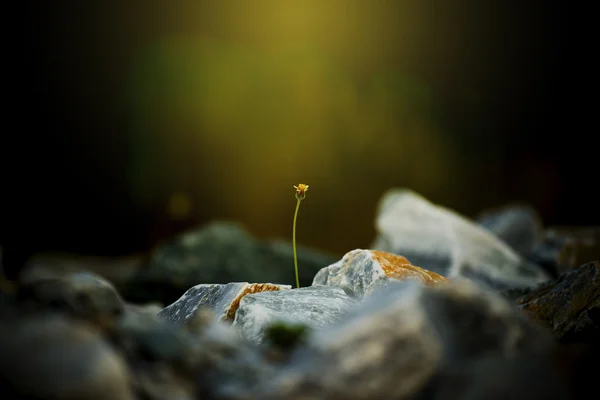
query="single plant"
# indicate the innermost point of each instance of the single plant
(300, 195)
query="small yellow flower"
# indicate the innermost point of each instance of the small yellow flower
(301, 191)
(300, 194)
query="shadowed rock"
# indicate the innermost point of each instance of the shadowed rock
(56, 265)
(570, 306)
(361, 272)
(82, 294)
(519, 226)
(222, 300)
(565, 248)
(220, 252)
(51, 357)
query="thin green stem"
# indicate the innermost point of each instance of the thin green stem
(294, 244)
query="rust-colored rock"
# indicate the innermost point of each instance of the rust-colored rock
(251, 288)
(361, 272)
(398, 267)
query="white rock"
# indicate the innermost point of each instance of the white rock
(440, 240)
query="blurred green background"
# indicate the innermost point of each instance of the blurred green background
(138, 119)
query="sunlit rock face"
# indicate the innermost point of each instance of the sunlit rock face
(315, 306)
(440, 240)
(222, 300)
(361, 272)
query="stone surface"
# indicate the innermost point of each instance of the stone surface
(169, 360)
(53, 357)
(147, 309)
(82, 294)
(407, 340)
(316, 306)
(563, 249)
(220, 252)
(440, 240)
(399, 339)
(222, 300)
(519, 226)
(523, 376)
(570, 306)
(229, 367)
(161, 356)
(56, 265)
(361, 272)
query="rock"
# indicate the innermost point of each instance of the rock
(210, 362)
(220, 252)
(315, 306)
(161, 356)
(361, 272)
(229, 367)
(523, 376)
(519, 226)
(151, 309)
(222, 300)
(50, 356)
(563, 249)
(444, 242)
(393, 343)
(570, 306)
(81, 294)
(56, 265)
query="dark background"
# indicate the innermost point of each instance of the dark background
(510, 90)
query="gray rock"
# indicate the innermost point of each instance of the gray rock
(49, 356)
(519, 226)
(43, 266)
(316, 306)
(220, 252)
(145, 309)
(82, 294)
(168, 360)
(566, 248)
(210, 362)
(442, 241)
(222, 300)
(400, 338)
(161, 356)
(228, 366)
(362, 272)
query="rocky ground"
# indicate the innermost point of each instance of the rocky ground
(438, 306)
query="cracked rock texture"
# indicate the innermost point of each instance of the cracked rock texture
(315, 306)
(222, 300)
(570, 306)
